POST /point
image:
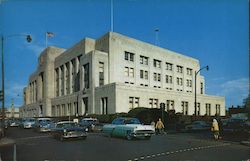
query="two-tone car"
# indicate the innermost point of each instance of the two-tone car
(68, 130)
(44, 125)
(128, 128)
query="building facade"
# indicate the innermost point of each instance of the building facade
(115, 74)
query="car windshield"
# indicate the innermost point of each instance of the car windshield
(132, 121)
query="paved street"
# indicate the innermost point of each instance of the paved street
(33, 146)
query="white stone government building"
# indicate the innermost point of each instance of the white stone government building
(114, 74)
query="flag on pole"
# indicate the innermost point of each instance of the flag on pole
(50, 34)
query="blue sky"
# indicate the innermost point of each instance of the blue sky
(215, 32)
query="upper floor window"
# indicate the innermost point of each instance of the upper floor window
(143, 60)
(169, 66)
(144, 74)
(129, 56)
(179, 81)
(179, 69)
(157, 77)
(201, 87)
(189, 83)
(101, 73)
(129, 72)
(157, 63)
(189, 71)
(169, 79)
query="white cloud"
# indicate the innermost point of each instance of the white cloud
(234, 91)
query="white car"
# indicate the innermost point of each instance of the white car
(128, 128)
(28, 123)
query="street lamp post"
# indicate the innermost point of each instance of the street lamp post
(29, 39)
(195, 94)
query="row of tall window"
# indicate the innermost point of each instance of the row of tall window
(67, 77)
(170, 105)
(129, 56)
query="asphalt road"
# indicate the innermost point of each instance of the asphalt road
(32, 146)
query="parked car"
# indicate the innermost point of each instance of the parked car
(28, 123)
(234, 125)
(44, 125)
(128, 128)
(14, 123)
(198, 126)
(68, 129)
(92, 124)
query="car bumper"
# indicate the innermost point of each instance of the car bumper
(74, 135)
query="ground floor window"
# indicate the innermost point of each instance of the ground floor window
(170, 105)
(208, 109)
(217, 106)
(104, 105)
(184, 107)
(85, 104)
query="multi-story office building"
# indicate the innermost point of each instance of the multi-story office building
(114, 74)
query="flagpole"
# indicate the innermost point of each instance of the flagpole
(111, 16)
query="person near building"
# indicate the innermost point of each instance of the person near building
(159, 127)
(215, 129)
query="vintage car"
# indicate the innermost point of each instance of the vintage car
(92, 124)
(198, 126)
(28, 123)
(68, 129)
(128, 128)
(44, 125)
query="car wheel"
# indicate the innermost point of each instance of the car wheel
(61, 138)
(128, 136)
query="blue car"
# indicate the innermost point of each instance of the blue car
(67, 130)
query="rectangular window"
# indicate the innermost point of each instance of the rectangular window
(208, 109)
(189, 71)
(184, 107)
(155, 76)
(86, 75)
(201, 87)
(143, 60)
(104, 105)
(189, 83)
(157, 63)
(133, 102)
(169, 66)
(73, 73)
(67, 78)
(129, 56)
(141, 74)
(101, 73)
(170, 105)
(131, 72)
(146, 75)
(169, 79)
(179, 69)
(126, 71)
(62, 80)
(179, 81)
(159, 77)
(57, 82)
(217, 106)
(151, 103)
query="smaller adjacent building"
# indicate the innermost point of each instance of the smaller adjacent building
(12, 112)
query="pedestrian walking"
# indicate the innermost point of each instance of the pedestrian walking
(215, 129)
(159, 127)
